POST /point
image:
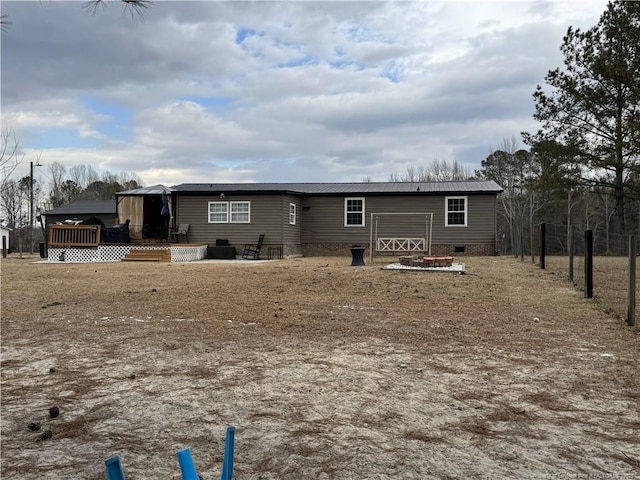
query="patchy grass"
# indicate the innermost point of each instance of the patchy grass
(326, 370)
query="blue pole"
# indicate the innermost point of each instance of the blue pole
(227, 462)
(114, 468)
(187, 466)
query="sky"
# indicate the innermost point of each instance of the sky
(329, 91)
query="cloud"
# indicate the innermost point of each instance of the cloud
(277, 91)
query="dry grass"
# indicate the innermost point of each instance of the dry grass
(610, 281)
(327, 371)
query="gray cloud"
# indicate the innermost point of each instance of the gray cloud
(316, 91)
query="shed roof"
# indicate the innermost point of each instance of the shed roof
(150, 190)
(84, 207)
(469, 186)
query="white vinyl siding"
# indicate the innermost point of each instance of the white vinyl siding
(240, 212)
(218, 212)
(455, 211)
(354, 212)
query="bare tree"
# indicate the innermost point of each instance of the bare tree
(10, 156)
(134, 8)
(435, 171)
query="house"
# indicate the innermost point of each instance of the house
(105, 210)
(443, 218)
(4, 234)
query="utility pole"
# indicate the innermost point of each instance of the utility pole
(31, 208)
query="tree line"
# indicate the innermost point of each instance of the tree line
(80, 182)
(581, 169)
(582, 166)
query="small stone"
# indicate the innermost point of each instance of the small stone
(132, 376)
(52, 370)
(34, 426)
(46, 435)
(54, 412)
(154, 289)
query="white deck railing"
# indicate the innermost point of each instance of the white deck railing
(397, 245)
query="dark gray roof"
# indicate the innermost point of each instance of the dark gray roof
(151, 190)
(469, 186)
(84, 207)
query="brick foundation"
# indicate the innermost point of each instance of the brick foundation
(442, 250)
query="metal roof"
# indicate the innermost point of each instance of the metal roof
(468, 186)
(84, 207)
(151, 190)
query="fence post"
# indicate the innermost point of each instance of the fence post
(588, 263)
(571, 252)
(4, 247)
(631, 309)
(543, 228)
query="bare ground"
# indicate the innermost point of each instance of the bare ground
(327, 371)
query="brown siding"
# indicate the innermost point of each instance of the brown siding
(291, 233)
(323, 219)
(268, 216)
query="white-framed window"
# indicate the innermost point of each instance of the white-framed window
(240, 212)
(218, 212)
(354, 212)
(455, 211)
(292, 214)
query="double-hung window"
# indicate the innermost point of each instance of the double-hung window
(455, 211)
(240, 212)
(354, 212)
(218, 212)
(292, 214)
(229, 212)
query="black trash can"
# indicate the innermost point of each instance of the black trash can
(357, 256)
(43, 250)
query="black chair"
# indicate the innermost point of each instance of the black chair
(252, 252)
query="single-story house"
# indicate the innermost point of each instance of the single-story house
(456, 217)
(105, 210)
(4, 236)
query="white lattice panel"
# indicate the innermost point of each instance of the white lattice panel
(188, 254)
(401, 245)
(115, 253)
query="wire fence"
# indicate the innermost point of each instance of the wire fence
(613, 267)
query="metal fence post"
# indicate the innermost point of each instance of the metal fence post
(588, 264)
(543, 228)
(631, 308)
(571, 252)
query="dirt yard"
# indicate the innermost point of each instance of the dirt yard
(327, 371)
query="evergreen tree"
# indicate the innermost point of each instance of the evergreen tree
(591, 114)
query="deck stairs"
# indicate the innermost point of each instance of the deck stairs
(135, 255)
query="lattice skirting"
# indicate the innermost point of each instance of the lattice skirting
(115, 253)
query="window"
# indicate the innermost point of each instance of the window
(240, 212)
(354, 212)
(456, 212)
(292, 214)
(218, 212)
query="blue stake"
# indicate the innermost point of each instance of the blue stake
(114, 468)
(227, 462)
(187, 466)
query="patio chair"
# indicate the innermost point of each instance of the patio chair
(252, 252)
(183, 229)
